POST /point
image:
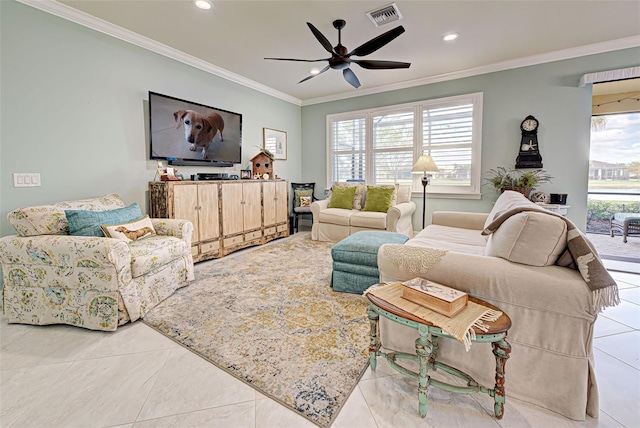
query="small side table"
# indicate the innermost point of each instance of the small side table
(427, 352)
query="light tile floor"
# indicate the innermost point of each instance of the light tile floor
(60, 376)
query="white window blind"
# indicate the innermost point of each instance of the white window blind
(447, 136)
(348, 148)
(392, 154)
(380, 146)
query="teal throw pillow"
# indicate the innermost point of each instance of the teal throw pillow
(379, 199)
(87, 223)
(342, 197)
(300, 192)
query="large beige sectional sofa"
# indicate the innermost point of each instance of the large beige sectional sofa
(335, 224)
(523, 269)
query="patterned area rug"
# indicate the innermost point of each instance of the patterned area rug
(268, 317)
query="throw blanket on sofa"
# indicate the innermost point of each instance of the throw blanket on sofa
(585, 258)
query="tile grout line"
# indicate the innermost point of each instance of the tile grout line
(617, 359)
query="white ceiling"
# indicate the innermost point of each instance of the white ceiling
(236, 35)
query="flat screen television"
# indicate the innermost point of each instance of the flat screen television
(187, 133)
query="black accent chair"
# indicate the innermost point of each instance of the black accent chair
(296, 209)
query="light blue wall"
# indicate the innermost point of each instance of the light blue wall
(549, 92)
(74, 108)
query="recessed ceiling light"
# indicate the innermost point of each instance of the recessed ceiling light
(450, 37)
(314, 71)
(203, 4)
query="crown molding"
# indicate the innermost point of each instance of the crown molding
(66, 12)
(596, 48)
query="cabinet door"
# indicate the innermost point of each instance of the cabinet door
(185, 201)
(208, 211)
(282, 201)
(270, 202)
(232, 218)
(252, 205)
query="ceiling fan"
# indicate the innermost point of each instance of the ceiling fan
(341, 60)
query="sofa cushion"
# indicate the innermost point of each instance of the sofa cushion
(337, 216)
(531, 238)
(342, 197)
(506, 201)
(369, 219)
(358, 196)
(454, 235)
(87, 223)
(154, 252)
(50, 219)
(450, 239)
(379, 198)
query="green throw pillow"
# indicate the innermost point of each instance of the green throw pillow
(298, 193)
(378, 199)
(342, 197)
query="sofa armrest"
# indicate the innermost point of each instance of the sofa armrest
(463, 220)
(178, 228)
(65, 251)
(318, 206)
(400, 216)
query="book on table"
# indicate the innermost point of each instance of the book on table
(437, 297)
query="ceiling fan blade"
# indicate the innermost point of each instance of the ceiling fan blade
(376, 43)
(350, 77)
(295, 59)
(314, 75)
(380, 65)
(321, 38)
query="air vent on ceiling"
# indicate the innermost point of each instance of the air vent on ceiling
(385, 15)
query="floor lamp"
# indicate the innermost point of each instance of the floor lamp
(426, 166)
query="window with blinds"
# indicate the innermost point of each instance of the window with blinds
(380, 146)
(447, 137)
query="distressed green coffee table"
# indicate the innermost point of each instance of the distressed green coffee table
(427, 352)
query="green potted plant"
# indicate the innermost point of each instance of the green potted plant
(519, 180)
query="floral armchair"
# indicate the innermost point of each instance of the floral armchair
(98, 283)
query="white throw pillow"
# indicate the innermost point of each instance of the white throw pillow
(531, 238)
(403, 194)
(130, 231)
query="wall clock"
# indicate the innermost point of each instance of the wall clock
(529, 152)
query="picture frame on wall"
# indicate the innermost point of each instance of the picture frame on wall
(245, 174)
(276, 142)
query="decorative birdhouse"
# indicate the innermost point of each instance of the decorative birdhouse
(263, 164)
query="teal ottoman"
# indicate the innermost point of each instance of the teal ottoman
(355, 260)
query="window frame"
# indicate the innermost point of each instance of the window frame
(471, 191)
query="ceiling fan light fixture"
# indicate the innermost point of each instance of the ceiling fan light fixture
(449, 37)
(203, 4)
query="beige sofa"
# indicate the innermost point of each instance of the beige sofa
(523, 269)
(335, 224)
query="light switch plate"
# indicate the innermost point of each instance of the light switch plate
(26, 179)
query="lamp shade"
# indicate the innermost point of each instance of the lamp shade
(425, 164)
